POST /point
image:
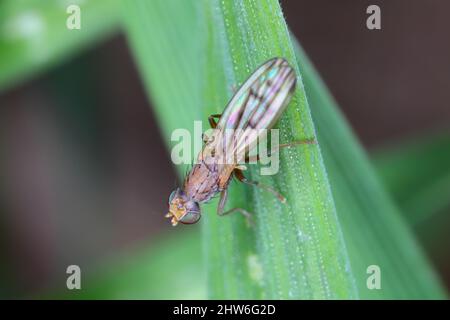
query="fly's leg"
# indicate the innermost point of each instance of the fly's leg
(213, 124)
(283, 145)
(221, 212)
(240, 176)
(296, 143)
(253, 158)
(212, 121)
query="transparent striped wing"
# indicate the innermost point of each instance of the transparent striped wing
(257, 104)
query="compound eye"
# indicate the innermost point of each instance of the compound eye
(172, 195)
(191, 217)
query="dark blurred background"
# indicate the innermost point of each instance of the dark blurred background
(85, 173)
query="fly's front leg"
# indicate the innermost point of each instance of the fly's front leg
(223, 201)
(240, 176)
(283, 145)
(212, 121)
(213, 124)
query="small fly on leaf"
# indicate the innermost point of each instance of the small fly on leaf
(256, 105)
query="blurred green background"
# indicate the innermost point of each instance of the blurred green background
(85, 171)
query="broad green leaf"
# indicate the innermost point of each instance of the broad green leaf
(34, 36)
(190, 54)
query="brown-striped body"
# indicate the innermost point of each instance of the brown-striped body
(205, 180)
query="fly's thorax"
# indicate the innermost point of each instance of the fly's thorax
(202, 182)
(218, 150)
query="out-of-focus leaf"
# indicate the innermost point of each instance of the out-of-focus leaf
(34, 35)
(417, 174)
(170, 269)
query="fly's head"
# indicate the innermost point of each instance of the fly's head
(182, 209)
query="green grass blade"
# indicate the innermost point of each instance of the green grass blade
(373, 229)
(190, 54)
(34, 36)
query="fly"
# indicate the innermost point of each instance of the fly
(257, 104)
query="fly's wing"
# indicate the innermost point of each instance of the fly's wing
(257, 104)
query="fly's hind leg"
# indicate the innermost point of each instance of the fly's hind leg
(296, 143)
(283, 145)
(240, 176)
(221, 212)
